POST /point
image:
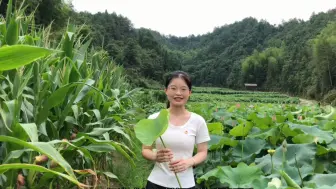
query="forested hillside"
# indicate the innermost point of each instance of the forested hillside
(135, 49)
(297, 57)
(282, 58)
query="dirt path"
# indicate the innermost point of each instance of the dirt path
(307, 102)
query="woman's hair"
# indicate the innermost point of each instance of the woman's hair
(178, 74)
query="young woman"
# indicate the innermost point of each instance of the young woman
(186, 129)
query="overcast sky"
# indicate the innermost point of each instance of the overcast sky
(186, 17)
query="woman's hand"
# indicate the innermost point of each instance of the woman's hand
(164, 155)
(181, 165)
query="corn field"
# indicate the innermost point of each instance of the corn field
(64, 108)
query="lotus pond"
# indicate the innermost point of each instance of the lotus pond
(268, 146)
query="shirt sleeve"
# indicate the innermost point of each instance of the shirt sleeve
(202, 132)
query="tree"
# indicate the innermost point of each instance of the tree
(45, 11)
(324, 54)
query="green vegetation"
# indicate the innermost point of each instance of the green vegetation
(289, 58)
(229, 95)
(69, 99)
(244, 135)
(63, 113)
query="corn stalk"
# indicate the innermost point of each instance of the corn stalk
(62, 107)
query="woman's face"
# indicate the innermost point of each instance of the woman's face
(178, 92)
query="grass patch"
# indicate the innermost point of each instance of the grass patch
(133, 177)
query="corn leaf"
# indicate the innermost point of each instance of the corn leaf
(15, 56)
(31, 131)
(9, 10)
(118, 146)
(44, 148)
(6, 167)
(12, 35)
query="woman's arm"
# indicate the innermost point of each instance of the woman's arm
(163, 155)
(183, 164)
(202, 153)
(147, 153)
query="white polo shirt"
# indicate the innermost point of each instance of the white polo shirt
(181, 140)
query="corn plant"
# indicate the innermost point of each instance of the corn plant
(63, 107)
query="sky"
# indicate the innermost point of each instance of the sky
(186, 17)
